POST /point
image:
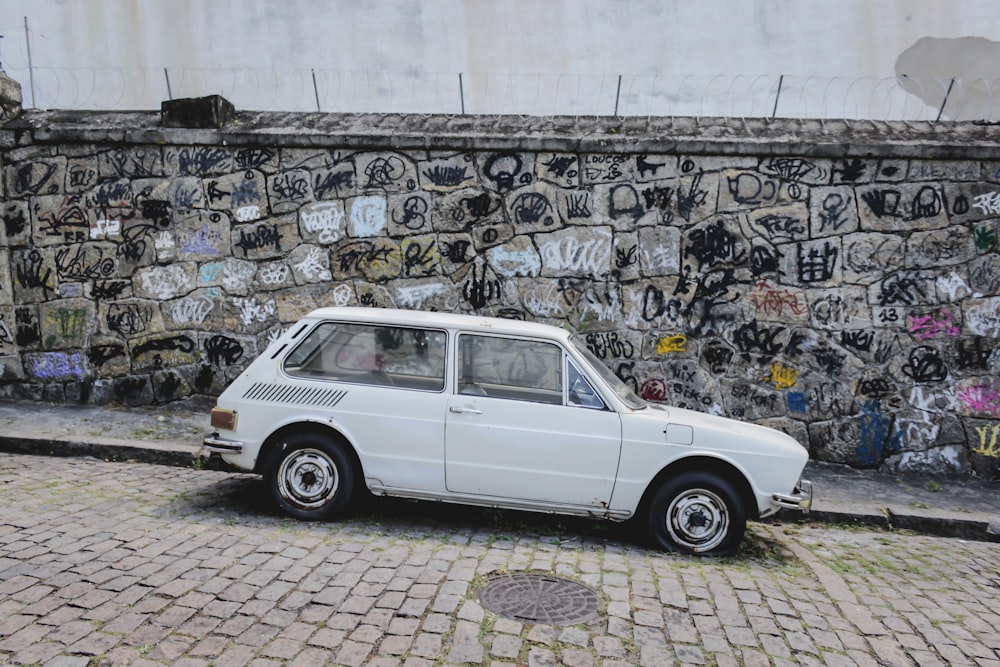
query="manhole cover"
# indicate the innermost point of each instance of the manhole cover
(539, 598)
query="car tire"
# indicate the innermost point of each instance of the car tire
(697, 513)
(310, 476)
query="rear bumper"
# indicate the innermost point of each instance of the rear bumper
(800, 499)
(219, 445)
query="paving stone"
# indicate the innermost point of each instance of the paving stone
(572, 657)
(171, 648)
(609, 647)
(36, 654)
(665, 609)
(96, 643)
(437, 623)
(353, 653)
(427, 645)
(574, 636)
(327, 638)
(297, 631)
(395, 645)
(403, 626)
(310, 657)
(234, 656)
(282, 648)
(505, 646)
(257, 635)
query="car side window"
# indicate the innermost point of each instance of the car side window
(371, 354)
(579, 390)
(523, 370)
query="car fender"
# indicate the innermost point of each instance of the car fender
(300, 422)
(632, 492)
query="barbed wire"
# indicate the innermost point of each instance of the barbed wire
(413, 92)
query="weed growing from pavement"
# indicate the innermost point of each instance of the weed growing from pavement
(757, 548)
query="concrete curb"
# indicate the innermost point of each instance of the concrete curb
(176, 456)
(824, 511)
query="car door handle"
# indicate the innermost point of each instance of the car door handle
(471, 411)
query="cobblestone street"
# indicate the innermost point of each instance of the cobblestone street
(131, 564)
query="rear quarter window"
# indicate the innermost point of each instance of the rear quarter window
(406, 357)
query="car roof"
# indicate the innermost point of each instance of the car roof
(477, 323)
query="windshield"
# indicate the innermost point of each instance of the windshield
(622, 390)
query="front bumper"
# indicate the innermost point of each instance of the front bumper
(216, 444)
(800, 499)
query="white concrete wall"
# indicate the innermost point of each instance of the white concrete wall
(710, 57)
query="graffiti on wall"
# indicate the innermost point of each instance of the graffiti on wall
(818, 295)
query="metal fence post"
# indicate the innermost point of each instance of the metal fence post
(31, 67)
(777, 95)
(315, 89)
(946, 95)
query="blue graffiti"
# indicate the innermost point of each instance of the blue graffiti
(209, 273)
(245, 192)
(202, 241)
(797, 401)
(57, 365)
(878, 437)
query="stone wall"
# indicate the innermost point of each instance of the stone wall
(838, 281)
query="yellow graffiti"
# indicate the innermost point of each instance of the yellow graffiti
(991, 448)
(783, 377)
(667, 344)
(68, 322)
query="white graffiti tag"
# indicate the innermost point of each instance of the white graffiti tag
(5, 335)
(252, 311)
(164, 241)
(247, 213)
(104, 228)
(368, 215)
(508, 262)
(166, 282)
(273, 274)
(325, 219)
(312, 267)
(192, 310)
(414, 296)
(237, 275)
(342, 295)
(988, 203)
(591, 255)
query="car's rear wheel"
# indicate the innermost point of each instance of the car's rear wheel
(697, 513)
(310, 476)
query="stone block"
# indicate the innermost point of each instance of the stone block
(10, 97)
(212, 111)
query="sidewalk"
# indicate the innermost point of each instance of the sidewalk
(171, 435)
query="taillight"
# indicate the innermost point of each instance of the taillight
(224, 419)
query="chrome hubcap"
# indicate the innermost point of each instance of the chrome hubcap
(308, 478)
(697, 520)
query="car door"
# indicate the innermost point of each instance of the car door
(512, 431)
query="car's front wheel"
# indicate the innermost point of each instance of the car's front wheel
(697, 513)
(310, 476)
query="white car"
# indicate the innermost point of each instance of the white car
(491, 412)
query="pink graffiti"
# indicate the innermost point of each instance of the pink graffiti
(774, 302)
(927, 327)
(654, 389)
(981, 398)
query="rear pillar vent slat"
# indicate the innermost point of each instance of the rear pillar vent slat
(291, 395)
